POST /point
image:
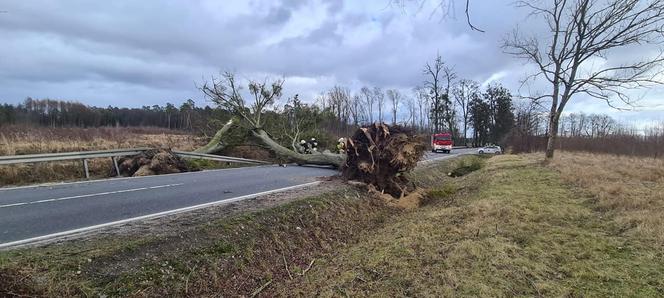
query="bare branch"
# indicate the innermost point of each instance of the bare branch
(227, 93)
(468, 18)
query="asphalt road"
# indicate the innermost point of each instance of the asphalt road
(29, 214)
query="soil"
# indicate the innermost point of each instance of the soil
(152, 162)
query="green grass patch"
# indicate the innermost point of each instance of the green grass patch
(468, 165)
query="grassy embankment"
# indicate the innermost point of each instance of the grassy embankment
(512, 228)
(587, 225)
(16, 140)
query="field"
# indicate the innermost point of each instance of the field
(629, 190)
(31, 140)
(582, 225)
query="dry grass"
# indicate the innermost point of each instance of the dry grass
(630, 189)
(512, 229)
(16, 140)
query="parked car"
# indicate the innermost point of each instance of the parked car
(490, 150)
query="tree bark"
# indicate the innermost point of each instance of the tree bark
(216, 144)
(552, 135)
(325, 159)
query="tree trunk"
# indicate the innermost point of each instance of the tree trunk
(325, 159)
(552, 135)
(216, 144)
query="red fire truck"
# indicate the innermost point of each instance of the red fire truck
(441, 142)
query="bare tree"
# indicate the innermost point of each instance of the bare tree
(438, 83)
(339, 101)
(394, 97)
(527, 123)
(357, 110)
(369, 98)
(379, 97)
(411, 103)
(422, 100)
(584, 31)
(464, 92)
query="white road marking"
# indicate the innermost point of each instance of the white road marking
(53, 184)
(149, 216)
(89, 195)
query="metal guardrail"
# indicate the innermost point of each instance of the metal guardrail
(218, 157)
(113, 154)
(29, 158)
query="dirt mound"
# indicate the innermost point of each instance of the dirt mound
(152, 162)
(380, 155)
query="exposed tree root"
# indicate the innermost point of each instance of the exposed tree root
(152, 162)
(380, 155)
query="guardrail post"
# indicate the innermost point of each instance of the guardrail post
(115, 164)
(85, 167)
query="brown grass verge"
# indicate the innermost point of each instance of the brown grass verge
(514, 228)
(17, 140)
(631, 189)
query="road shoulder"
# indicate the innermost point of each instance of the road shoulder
(237, 247)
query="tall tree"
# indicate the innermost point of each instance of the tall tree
(438, 80)
(501, 114)
(422, 99)
(464, 92)
(480, 117)
(581, 34)
(357, 110)
(379, 97)
(369, 99)
(394, 96)
(170, 112)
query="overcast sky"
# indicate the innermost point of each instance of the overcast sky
(135, 53)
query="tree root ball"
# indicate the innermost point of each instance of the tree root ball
(381, 155)
(152, 162)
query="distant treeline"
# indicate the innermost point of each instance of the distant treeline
(57, 113)
(585, 132)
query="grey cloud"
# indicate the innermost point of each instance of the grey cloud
(144, 52)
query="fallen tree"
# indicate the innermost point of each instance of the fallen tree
(216, 144)
(377, 155)
(228, 94)
(319, 158)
